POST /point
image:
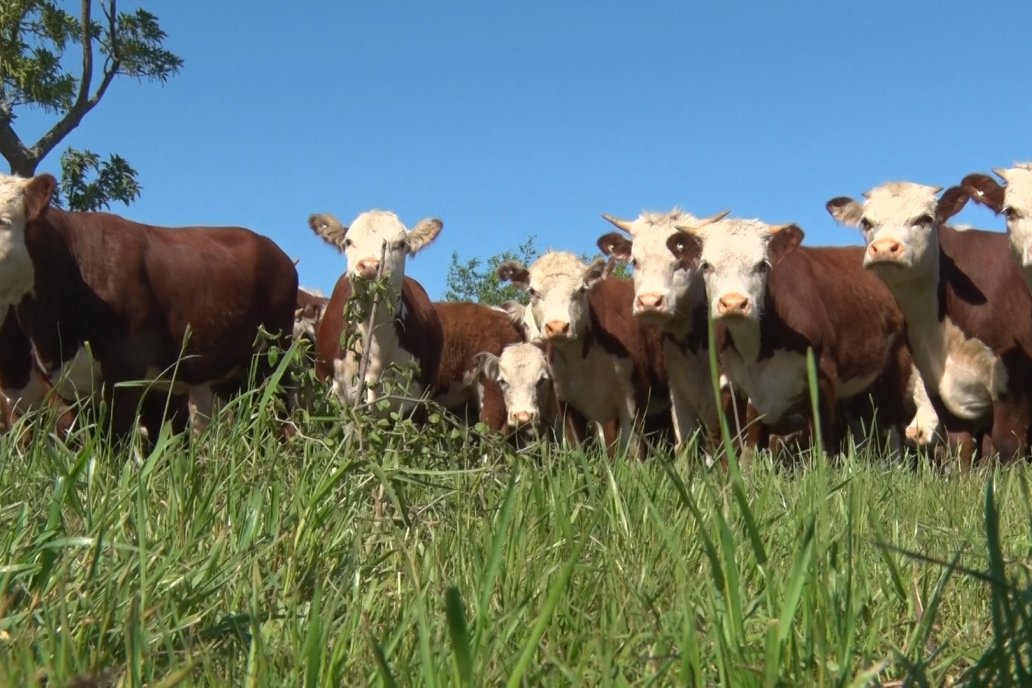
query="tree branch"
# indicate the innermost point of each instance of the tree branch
(84, 102)
(12, 148)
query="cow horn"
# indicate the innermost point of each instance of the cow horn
(1000, 172)
(716, 217)
(624, 225)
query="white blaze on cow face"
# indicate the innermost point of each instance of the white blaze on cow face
(900, 223)
(21, 201)
(667, 281)
(364, 242)
(522, 373)
(558, 284)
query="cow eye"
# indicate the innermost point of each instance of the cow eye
(924, 221)
(6, 222)
(1010, 213)
(502, 382)
(634, 263)
(763, 266)
(532, 291)
(348, 243)
(706, 266)
(583, 288)
(865, 224)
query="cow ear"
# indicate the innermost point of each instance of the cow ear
(486, 363)
(329, 229)
(38, 193)
(687, 248)
(513, 271)
(615, 246)
(784, 239)
(423, 234)
(594, 272)
(950, 203)
(984, 189)
(845, 210)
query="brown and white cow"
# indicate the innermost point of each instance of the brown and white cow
(524, 377)
(607, 366)
(1014, 201)
(470, 329)
(670, 294)
(774, 299)
(104, 300)
(968, 311)
(404, 332)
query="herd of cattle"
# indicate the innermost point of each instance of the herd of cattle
(925, 332)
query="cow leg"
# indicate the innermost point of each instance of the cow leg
(682, 417)
(158, 406)
(1010, 426)
(576, 425)
(827, 406)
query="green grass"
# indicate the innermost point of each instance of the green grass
(439, 557)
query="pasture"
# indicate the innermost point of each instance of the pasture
(439, 555)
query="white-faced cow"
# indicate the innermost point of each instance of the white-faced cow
(1014, 201)
(522, 373)
(774, 300)
(470, 329)
(308, 312)
(104, 300)
(968, 311)
(670, 294)
(405, 331)
(607, 366)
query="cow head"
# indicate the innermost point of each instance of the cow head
(667, 281)
(735, 257)
(21, 201)
(900, 222)
(308, 311)
(521, 317)
(364, 241)
(1013, 200)
(558, 284)
(522, 373)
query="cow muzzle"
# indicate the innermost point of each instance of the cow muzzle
(650, 303)
(367, 268)
(734, 306)
(889, 251)
(557, 329)
(523, 419)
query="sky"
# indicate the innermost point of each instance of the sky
(518, 119)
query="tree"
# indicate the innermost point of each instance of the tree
(38, 70)
(477, 280)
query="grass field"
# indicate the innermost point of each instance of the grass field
(399, 556)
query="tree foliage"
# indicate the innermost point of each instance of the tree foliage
(62, 64)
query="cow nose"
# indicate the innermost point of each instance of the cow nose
(733, 304)
(885, 249)
(650, 302)
(368, 267)
(556, 328)
(523, 418)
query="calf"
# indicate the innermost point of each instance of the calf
(774, 300)
(1014, 201)
(469, 329)
(402, 331)
(607, 366)
(670, 294)
(522, 373)
(968, 310)
(104, 300)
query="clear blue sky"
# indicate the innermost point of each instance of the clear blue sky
(532, 118)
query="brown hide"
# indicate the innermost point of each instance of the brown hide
(471, 328)
(416, 321)
(823, 298)
(308, 305)
(133, 291)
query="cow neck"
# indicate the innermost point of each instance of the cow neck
(923, 300)
(693, 335)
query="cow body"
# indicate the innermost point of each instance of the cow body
(607, 366)
(774, 300)
(114, 301)
(968, 311)
(470, 329)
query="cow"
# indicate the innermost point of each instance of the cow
(308, 311)
(607, 367)
(522, 373)
(773, 300)
(104, 300)
(1014, 201)
(470, 329)
(967, 308)
(402, 331)
(670, 294)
